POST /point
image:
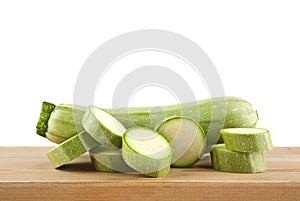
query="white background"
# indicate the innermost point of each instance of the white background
(255, 46)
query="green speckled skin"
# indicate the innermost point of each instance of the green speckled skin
(68, 150)
(241, 142)
(237, 162)
(65, 121)
(143, 164)
(212, 115)
(59, 122)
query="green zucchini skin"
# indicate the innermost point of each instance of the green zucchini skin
(42, 124)
(247, 142)
(70, 149)
(230, 161)
(65, 121)
(212, 115)
(58, 123)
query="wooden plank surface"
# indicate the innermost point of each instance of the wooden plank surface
(26, 174)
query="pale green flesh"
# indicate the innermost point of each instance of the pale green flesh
(153, 161)
(237, 162)
(187, 138)
(148, 143)
(103, 127)
(247, 139)
(109, 121)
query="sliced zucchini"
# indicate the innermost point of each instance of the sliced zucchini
(103, 127)
(237, 162)
(70, 149)
(108, 159)
(247, 139)
(187, 138)
(147, 152)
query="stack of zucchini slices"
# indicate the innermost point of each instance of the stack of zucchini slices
(242, 151)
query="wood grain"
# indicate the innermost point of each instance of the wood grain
(26, 174)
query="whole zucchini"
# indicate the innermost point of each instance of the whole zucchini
(212, 115)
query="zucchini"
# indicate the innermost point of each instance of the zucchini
(65, 120)
(237, 162)
(59, 122)
(187, 138)
(103, 127)
(108, 159)
(71, 149)
(147, 152)
(212, 115)
(247, 139)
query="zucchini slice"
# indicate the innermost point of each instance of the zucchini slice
(187, 138)
(247, 139)
(237, 162)
(108, 159)
(70, 149)
(103, 127)
(147, 152)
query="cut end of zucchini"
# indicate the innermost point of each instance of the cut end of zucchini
(247, 139)
(42, 124)
(236, 162)
(103, 127)
(187, 138)
(147, 152)
(108, 159)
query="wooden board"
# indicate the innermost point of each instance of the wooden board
(26, 174)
